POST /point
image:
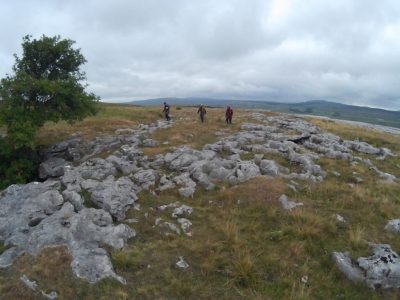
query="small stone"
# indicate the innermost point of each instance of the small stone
(304, 279)
(181, 263)
(51, 296)
(183, 209)
(340, 218)
(358, 179)
(288, 204)
(131, 221)
(393, 226)
(172, 227)
(292, 187)
(171, 205)
(185, 225)
(29, 284)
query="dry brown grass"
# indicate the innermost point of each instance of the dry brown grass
(109, 118)
(49, 269)
(261, 190)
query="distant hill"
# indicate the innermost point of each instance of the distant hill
(314, 107)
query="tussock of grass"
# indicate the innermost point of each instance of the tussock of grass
(3, 248)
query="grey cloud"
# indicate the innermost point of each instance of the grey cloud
(285, 50)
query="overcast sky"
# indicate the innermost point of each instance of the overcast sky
(282, 50)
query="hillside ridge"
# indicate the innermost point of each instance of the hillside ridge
(313, 107)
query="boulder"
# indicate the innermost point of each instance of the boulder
(74, 198)
(97, 168)
(145, 178)
(269, 167)
(386, 176)
(166, 183)
(362, 147)
(182, 161)
(115, 196)
(246, 170)
(188, 185)
(219, 173)
(258, 158)
(53, 167)
(381, 270)
(122, 165)
(207, 155)
(72, 179)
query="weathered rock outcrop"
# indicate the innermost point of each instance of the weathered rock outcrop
(54, 213)
(114, 196)
(381, 270)
(53, 167)
(35, 216)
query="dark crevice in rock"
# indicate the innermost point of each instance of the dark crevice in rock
(36, 221)
(299, 140)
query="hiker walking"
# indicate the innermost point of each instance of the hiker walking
(228, 115)
(202, 112)
(166, 111)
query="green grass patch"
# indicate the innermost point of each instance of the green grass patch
(87, 199)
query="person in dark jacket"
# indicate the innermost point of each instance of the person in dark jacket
(202, 112)
(166, 111)
(228, 115)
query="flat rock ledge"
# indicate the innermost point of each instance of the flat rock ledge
(380, 270)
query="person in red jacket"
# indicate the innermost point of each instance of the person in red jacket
(229, 115)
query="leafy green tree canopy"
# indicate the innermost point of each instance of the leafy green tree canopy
(47, 85)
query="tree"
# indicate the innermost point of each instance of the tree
(47, 85)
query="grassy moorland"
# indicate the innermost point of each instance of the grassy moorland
(244, 245)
